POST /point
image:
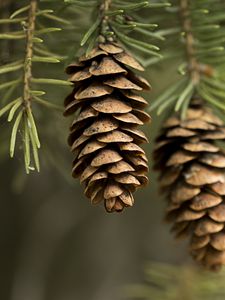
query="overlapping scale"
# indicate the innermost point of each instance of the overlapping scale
(192, 167)
(104, 136)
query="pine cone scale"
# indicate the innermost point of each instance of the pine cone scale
(104, 136)
(194, 167)
(111, 105)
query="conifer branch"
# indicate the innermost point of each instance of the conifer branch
(116, 20)
(190, 47)
(197, 39)
(29, 53)
(20, 110)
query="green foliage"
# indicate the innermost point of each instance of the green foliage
(172, 282)
(206, 27)
(113, 20)
(20, 111)
(116, 20)
(121, 20)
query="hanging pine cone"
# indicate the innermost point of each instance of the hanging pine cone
(192, 170)
(104, 134)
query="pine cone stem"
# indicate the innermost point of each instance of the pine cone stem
(105, 7)
(104, 25)
(193, 63)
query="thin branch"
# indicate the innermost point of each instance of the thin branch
(29, 53)
(190, 47)
(105, 6)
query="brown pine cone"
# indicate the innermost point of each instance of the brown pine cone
(192, 167)
(104, 134)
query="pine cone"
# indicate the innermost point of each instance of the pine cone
(104, 134)
(192, 170)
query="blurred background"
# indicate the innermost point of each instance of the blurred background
(54, 244)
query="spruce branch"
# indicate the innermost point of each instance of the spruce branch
(116, 21)
(21, 109)
(29, 54)
(197, 40)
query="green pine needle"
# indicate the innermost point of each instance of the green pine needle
(33, 127)
(19, 11)
(91, 30)
(14, 133)
(14, 109)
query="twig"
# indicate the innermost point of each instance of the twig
(105, 19)
(190, 47)
(107, 4)
(29, 53)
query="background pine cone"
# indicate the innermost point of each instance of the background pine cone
(192, 170)
(104, 134)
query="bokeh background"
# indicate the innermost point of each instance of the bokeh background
(54, 245)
